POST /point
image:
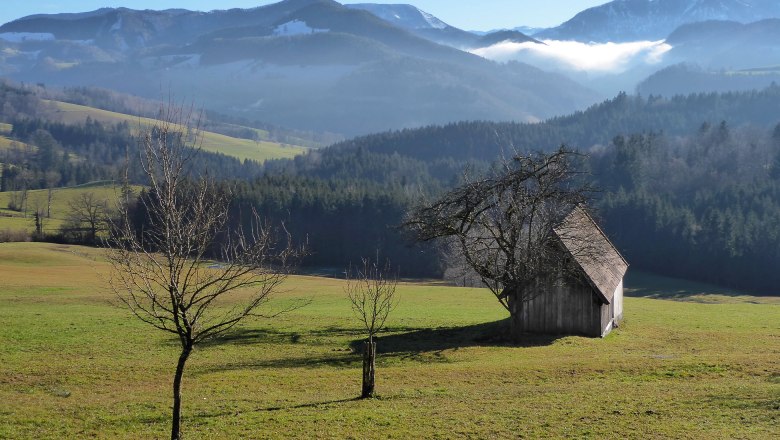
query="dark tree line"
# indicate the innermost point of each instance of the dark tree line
(704, 204)
(679, 196)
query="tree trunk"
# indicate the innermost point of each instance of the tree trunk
(176, 419)
(515, 313)
(369, 368)
(48, 203)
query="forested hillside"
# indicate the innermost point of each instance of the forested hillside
(37, 151)
(689, 186)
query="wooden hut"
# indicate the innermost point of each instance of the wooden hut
(587, 298)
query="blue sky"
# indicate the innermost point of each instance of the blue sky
(466, 14)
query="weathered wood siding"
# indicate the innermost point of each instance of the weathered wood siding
(617, 299)
(564, 309)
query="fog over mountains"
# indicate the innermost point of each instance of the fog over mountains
(360, 68)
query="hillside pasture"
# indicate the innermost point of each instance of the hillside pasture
(213, 142)
(6, 143)
(75, 365)
(61, 197)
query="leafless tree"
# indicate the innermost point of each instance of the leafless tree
(371, 290)
(504, 225)
(18, 200)
(52, 178)
(88, 212)
(185, 273)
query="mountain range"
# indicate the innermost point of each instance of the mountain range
(636, 20)
(353, 69)
(309, 64)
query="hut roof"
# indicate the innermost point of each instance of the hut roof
(598, 258)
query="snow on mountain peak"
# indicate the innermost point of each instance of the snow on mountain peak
(433, 21)
(405, 16)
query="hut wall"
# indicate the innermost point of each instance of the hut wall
(617, 300)
(564, 309)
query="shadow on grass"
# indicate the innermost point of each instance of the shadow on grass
(204, 414)
(452, 338)
(424, 345)
(646, 285)
(266, 336)
(308, 405)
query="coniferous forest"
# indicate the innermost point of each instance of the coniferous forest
(688, 186)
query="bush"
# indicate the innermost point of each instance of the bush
(9, 235)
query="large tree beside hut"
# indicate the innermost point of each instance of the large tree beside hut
(508, 227)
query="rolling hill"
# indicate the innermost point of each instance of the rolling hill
(214, 142)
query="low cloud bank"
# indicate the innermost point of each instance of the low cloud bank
(595, 58)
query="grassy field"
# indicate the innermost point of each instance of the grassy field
(74, 365)
(214, 142)
(6, 143)
(59, 208)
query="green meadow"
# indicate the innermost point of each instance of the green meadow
(213, 142)
(73, 364)
(61, 197)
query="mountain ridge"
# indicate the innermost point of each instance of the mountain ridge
(635, 20)
(306, 64)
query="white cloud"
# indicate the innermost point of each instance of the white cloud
(595, 58)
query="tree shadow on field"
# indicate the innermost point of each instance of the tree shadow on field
(647, 285)
(268, 336)
(433, 340)
(406, 343)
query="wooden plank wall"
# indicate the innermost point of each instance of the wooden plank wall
(564, 309)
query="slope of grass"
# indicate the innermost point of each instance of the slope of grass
(75, 366)
(6, 143)
(213, 142)
(59, 208)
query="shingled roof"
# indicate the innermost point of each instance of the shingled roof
(598, 258)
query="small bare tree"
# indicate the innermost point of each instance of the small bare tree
(371, 290)
(508, 227)
(89, 213)
(52, 178)
(185, 273)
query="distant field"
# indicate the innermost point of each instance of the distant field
(5, 128)
(59, 210)
(213, 142)
(8, 143)
(76, 366)
(5, 142)
(642, 284)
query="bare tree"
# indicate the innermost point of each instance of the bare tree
(371, 290)
(508, 226)
(185, 273)
(18, 200)
(87, 212)
(52, 179)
